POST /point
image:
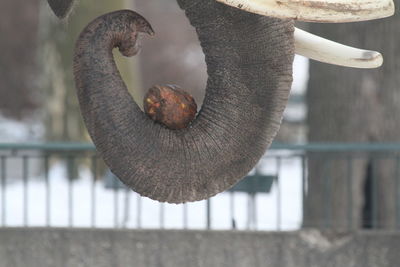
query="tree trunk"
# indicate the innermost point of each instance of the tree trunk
(18, 34)
(350, 105)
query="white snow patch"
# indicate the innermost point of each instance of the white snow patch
(27, 130)
(71, 204)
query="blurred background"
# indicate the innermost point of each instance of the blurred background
(335, 163)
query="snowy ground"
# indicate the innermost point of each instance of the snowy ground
(281, 209)
(11, 131)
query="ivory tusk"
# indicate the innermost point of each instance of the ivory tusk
(320, 49)
(317, 10)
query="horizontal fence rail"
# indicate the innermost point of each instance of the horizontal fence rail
(68, 185)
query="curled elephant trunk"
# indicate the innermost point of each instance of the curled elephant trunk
(249, 64)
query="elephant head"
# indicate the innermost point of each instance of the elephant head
(249, 65)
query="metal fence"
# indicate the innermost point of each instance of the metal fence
(67, 185)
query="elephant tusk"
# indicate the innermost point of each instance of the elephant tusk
(320, 49)
(317, 10)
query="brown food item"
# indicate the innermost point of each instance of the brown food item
(170, 106)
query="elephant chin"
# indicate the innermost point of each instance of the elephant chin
(249, 64)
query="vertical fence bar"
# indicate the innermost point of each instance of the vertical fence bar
(93, 190)
(162, 217)
(208, 214)
(116, 208)
(349, 191)
(70, 165)
(278, 195)
(126, 208)
(327, 193)
(374, 194)
(232, 210)
(25, 181)
(139, 212)
(248, 212)
(47, 185)
(303, 183)
(255, 217)
(398, 191)
(185, 216)
(3, 190)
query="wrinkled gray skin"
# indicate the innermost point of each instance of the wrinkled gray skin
(249, 64)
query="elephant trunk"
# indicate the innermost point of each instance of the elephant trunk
(249, 64)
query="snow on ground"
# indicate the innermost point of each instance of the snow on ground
(27, 130)
(281, 209)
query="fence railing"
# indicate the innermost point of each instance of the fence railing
(67, 185)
